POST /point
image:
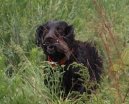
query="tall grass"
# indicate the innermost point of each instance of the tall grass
(22, 63)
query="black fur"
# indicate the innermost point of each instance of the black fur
(57, 40)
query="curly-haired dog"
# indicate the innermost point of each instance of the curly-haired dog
(59, 45)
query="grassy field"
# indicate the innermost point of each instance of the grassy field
(21, 63)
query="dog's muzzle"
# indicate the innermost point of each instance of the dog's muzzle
(57, 45)
(51, 46)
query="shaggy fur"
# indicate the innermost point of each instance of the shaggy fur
(58, 43)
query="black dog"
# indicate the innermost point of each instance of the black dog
(57, 40)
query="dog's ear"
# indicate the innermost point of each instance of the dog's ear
(69, 31)
(38, 35)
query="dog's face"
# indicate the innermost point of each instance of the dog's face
(55, 37)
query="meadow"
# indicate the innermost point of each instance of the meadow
(22, 63)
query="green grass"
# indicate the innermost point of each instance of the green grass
(103, 21)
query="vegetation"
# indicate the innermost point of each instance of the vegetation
(22, 63)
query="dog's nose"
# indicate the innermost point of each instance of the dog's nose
(48, 39)
(50, 42)
(51, 47)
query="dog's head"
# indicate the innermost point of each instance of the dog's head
(56, 39)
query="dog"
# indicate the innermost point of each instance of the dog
(57, 39)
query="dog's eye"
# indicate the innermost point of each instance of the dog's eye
(60, 31)
(57, 33)
(45, 30)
